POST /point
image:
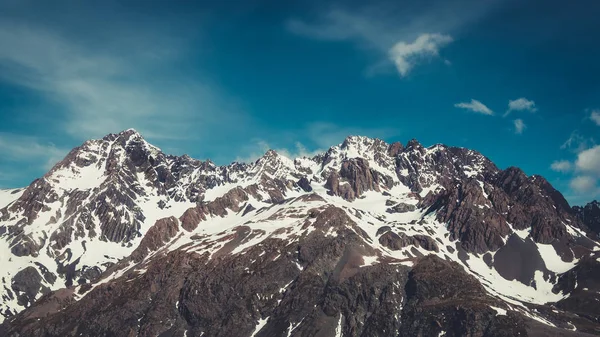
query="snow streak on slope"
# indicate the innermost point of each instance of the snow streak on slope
(8, 196)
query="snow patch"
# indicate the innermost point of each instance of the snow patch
(499, 311)
(370, 260)
(338, 329)
(522, 233)
(9, 196)
(261, 323)
(552, 260)
(293, 327)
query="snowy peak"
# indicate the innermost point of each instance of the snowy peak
(89, 165)
(362, 147)
(363, 144)
(273, 164)
(414, 144)
(124, 136)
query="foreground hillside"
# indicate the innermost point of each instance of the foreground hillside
(366, 239)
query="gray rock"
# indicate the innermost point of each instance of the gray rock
(27, 284)
(401, 208)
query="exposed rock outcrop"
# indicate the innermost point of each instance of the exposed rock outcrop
(160, 233)
(435, 306)
(589, 215)
(304, 184)
(402, 208)
(397, 241)
(26, 284)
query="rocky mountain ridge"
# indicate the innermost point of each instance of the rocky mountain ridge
(589, 215)
(345, 243)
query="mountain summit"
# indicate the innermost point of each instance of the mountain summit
(365, 239)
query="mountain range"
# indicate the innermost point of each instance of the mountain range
(365, 239)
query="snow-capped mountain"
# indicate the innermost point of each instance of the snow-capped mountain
(366, 239)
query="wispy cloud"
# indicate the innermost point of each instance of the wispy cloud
(320, 135)
(475, 106)
(520, 104)
(400, 34)
(340, 25)
(577, 142)
(561, 166)
(29, 149)
(327, 134)
(519, 126)
(595, 116)
(406, 55)
(258, 147)
(105, 90)
(252, 151)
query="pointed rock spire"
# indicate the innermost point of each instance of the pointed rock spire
(414, 144)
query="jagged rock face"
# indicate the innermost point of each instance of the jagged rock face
(461, 307)
(536, 205)
(480, 213)
(358, 241)
(589, 215)
(583, 285)
(159, 234)
(397, 241)
(470, 218)
(305, 184)
(420, 168)
(402, 208)
(26, 284)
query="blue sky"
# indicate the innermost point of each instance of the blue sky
(518, 81)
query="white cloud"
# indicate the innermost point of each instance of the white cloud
(561, 166)
(587, 166)
(595, 117)
(520, 104)
(475, 106)
(406, 55)
(384, 29)
(589, 161)
(584, 184)
(519, 126)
